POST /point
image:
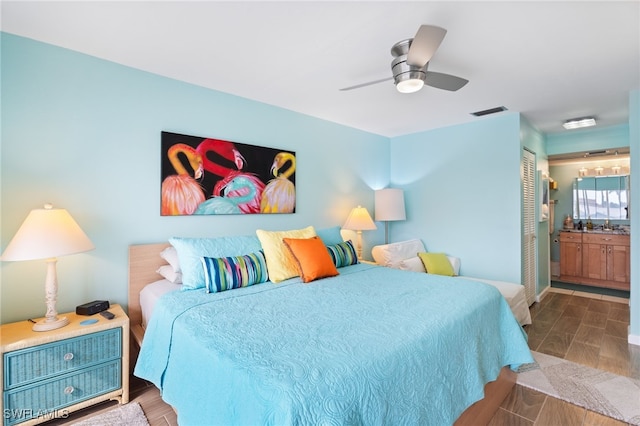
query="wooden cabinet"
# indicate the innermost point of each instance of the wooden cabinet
(613, 258)
(49, 374)
(597, 259)
(570, 256)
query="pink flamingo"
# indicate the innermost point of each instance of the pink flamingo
(227, 203)
(224, 149)
(181, 194)
(248, 204)
(228, 151)
(279, 195)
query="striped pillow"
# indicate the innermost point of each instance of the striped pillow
(343, 254)
(227, 273)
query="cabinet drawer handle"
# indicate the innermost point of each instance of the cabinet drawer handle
(68, 390)
(607, 239)
(68, 356)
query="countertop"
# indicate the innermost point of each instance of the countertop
(599, 231)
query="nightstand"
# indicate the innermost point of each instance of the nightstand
(47, 375)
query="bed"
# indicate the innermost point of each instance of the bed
(367, 346)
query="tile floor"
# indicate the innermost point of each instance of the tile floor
(585, 328)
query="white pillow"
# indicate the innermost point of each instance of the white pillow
(391, 255)
(455, 263)
(170, 274)
(170, 254)
(412, 264)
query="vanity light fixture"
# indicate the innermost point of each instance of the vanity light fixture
(577, 123)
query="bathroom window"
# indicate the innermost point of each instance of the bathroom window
(601, 197)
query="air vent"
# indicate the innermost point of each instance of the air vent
(489, 111)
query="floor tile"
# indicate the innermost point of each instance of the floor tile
(589, 335)
(599, 306)
(524, 402)
(584, 354)
(617, 329)
(556, 344)
(559, 413)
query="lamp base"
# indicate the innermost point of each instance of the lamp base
(44, 325)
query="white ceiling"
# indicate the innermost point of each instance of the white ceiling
(548, 60)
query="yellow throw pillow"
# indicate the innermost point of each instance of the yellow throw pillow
(280, 262)
(436, 263)
(312, 258)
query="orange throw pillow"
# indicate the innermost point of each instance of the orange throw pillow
(312, 258)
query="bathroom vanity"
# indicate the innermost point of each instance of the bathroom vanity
(595, 258)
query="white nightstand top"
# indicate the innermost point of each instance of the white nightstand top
(19, 335)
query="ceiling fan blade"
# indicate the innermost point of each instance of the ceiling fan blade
(424, 44)
(444, 81)
(357, 86)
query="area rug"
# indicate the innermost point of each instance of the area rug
(596, 390)
(128, 414)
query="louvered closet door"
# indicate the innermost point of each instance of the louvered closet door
(529, 224)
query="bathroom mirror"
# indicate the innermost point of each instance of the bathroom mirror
(601, 197)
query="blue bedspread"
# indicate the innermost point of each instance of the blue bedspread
(372, 346)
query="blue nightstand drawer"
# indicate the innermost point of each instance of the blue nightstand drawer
(48, 398)
(29, 365)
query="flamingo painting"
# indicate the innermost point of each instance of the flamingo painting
(279, 195)
(181, 193)
(202, 175)
(227, 203)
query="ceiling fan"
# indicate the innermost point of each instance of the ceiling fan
(411, 60)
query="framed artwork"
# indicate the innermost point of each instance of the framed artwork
(207, 176)
(544, 197)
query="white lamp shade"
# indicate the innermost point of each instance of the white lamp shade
(359, 220)
(389, 204)
(47, 233)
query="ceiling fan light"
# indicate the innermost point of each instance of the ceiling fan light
(409, 82)
(409, 86)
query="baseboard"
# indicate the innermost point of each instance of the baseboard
(634, 339)
(542, 294)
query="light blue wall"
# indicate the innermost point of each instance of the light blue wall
(462, 192)
(592, 139)
(84, 134)
(634, 144)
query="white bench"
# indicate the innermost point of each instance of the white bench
(404, 255)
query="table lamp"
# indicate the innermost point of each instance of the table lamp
(359, 220)
(389, 205)
(47, 234)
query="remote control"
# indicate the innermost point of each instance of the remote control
(108, 315)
